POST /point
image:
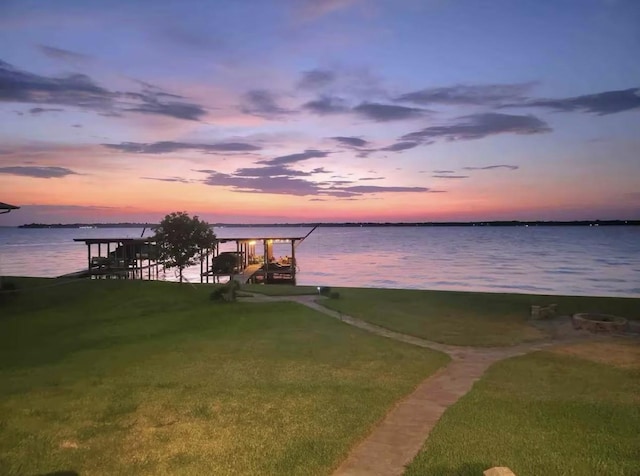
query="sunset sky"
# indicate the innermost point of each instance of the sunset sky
(323, 110)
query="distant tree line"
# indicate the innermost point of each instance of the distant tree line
(97, 225)
(358, 224)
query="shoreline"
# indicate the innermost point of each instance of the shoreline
(311, 289)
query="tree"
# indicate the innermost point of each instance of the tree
(181, 240)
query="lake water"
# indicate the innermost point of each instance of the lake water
(602, 261)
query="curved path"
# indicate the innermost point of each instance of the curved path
(395, 441)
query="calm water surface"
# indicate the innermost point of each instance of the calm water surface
(603, 261)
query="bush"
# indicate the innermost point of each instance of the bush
(8, 290)
(228, 292)
(334, 295)
(8, 286)
(325, 290)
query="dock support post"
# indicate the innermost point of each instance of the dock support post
(208, 267)
(293, 260)
(89, 258)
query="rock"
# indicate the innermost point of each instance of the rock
(544, 312)
(498, 471)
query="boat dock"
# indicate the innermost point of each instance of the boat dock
(253, 261)
(124, 258)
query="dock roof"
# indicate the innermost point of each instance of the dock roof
(219, 239)
(6, 206)
(259, 238)
(94, 241)
(225, 239)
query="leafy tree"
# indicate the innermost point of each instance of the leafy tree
(181, 240)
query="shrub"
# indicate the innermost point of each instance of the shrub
(8, 290)
(8, 286)
(228, 292)
(216, 294)
(334, 295)
(325, 290)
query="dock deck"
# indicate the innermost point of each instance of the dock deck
(247, 273)
(243, 277)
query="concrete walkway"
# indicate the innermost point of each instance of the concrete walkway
(396, 440)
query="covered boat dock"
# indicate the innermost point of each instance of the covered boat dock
(253, 260)
(128, 258)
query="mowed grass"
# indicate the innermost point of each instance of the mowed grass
(151, 378)
(573, 411)
(461, 318)
(280, 289)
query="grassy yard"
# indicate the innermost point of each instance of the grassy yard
(125, 377)
(280, 289)
(459, 318)
(574, 411)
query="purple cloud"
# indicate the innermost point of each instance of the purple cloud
(387, 112)
(477, 126)
(165, 147)
(293, 158)
(474, 95)
(37, 171)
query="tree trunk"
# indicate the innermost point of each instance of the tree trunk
(180, 274)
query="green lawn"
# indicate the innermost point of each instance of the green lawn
(541, 414)
(459, 318)
(125, 377)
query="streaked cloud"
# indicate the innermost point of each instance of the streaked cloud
(282, 185)
(272, 171)
(263, 103)
(361, 189)
(493, 167)
(400, 146)
(449, 176)
(37, 171)
(284, 181)
(40, 110)
(477, 126)
(387, 112)
(293, 158)
(326, 105)
(165, 147)
(62, 54)
(378, 112)
(169, 179)
(79, 90)
(474, 95)
(74, 89)
(601, 104)
(351, 141)
(178, 110)
(316, 79)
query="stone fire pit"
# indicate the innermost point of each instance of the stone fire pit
(599, 323)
